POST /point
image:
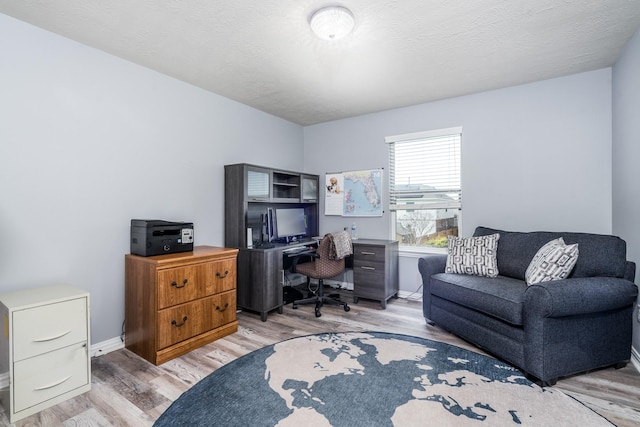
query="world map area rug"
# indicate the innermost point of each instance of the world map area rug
(372, 379)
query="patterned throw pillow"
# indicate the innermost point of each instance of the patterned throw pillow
(554, 261)
(476, 256)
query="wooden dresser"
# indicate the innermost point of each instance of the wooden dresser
(44, 350)
(178, 302)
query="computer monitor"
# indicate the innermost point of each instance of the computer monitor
(291, 224)
(268, 234)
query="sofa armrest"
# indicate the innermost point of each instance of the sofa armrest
(630, 271)
(428, 266)
(578, 296)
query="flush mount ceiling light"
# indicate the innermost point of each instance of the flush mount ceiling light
(332, 22)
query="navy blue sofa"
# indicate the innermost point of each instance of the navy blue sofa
(551, 329)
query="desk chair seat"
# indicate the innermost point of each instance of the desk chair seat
(322, 267)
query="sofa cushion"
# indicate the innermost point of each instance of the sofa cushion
(501, 297)
(554, 261)
(600, 255)
(473, 255)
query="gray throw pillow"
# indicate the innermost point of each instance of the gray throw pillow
(475, 256)
(553, 261)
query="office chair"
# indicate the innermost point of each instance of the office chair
(322, 267)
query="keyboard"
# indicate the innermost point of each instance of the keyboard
(296, 250)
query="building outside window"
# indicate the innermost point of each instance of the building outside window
(425, 194)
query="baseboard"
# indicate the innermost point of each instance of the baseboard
(104, 347)
(635, 359)
(410, 295)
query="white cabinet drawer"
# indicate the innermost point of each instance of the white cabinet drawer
(44, 377)
(49, 327)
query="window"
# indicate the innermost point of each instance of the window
(425, 195)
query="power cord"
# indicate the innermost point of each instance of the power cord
(410, 296)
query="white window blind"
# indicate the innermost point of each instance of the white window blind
(424, 170)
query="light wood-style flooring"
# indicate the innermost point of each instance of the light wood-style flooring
(128, 391)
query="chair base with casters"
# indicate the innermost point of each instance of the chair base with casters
(321, 267)
(320, 299)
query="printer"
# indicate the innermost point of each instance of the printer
(156, 237)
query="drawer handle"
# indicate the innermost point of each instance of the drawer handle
(184, 283)
(368, 268)
(51, 338)
(226, 273)
(367, 253)
(222, 309)
(45, 387)
(175, 323)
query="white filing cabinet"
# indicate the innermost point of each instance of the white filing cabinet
(44, 348)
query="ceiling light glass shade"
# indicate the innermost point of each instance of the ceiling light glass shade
(332, 23)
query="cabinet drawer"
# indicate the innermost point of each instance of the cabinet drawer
(222, 276)
(179, 323)
(49, 327)
(44, 377)
(221, 309)
(366, 253)
(182, 284)
(368, 275)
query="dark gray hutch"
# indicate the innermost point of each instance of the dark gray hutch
(251, 192)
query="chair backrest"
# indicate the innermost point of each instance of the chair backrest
(324, 266)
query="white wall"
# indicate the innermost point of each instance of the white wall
(534, 157)
(626, 153)
(89, 141)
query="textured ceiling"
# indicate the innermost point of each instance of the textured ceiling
(403, 52)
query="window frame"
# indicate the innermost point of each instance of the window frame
(431, 134)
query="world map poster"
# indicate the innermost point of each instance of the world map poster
(355, 193)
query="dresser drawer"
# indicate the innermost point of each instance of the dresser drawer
(368, 276)
(182, 284)
(368, 253)
(222, 276)
(181, 322)
(221, 309)
(49, 327)
(49, 375)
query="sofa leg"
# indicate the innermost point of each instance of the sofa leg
(620, 365)
(548, 383)
(429, 322)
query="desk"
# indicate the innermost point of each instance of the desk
(261, 273)
(261, 276)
